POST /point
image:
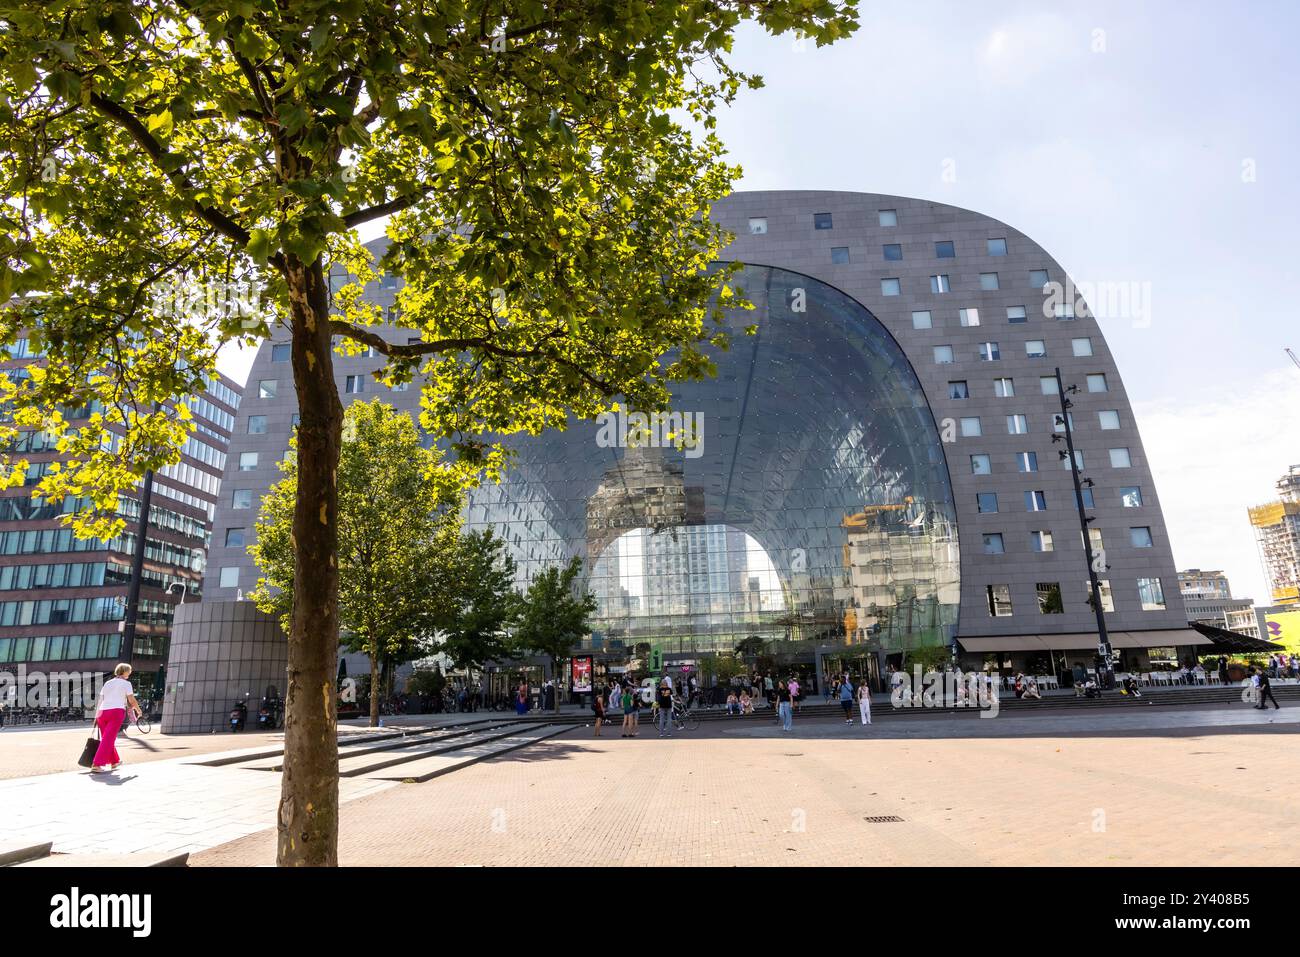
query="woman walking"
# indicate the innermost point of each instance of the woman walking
(783, 707)
(864, 701)
(598, 708)
(115, 699)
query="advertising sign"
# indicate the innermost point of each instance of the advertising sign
(582, 674)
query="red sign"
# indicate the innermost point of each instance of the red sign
(582, 673)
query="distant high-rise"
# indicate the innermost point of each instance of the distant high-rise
(1277, 532)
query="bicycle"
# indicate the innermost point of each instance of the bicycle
(683, 720)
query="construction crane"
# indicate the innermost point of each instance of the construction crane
(1292, 355)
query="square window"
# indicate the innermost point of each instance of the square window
(1107, 599)
(999, 600)
(1130, 496)
(230, 576)
(1119, 459)
(241, 498)
(1040, 542)
(1088, 501)
(942, 355)
(1016, 314)
(970, 427)
(257, 425)
(944, 250)
(1058, 423)
(940, 284)
(355, 385)
(1049, 598)
(981, 465)
(990, 352)
(993, 544)
(235, 537)
(921, 319)
(839, 255)
(1047, 385)
(267, 388)
(1064, 311)
(893, 252)
(1038, 278)
(1140, 537)
(1081, 347)
(1004, 388)
(969, 317)
(987, 501)
(1151, 594)
(958, 390)
(890, 287)
(1017, 425)
(888, 217)
(1097, 382)
(988, 281)
(1035, 348)
(1108, 419)
(822, 221)
(997, 247)
(1078, 459)
(281, 352)
(1027, 461)
(247, 461)
(1035, 502)
(757, 225)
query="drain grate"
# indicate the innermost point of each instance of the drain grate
(884, 819)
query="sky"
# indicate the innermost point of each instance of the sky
(1153, 144)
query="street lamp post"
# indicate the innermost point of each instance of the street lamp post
(132, 609)
(1105, 671)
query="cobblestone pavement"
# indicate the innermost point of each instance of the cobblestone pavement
(1183, 787)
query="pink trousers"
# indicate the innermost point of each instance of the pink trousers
(108, 722)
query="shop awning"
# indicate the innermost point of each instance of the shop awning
(1232, 642)
(1160, 638)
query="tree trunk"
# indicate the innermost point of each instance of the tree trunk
(309, 798)
(374, 689)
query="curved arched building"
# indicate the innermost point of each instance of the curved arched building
(873, 470)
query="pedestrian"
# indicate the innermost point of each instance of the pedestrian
(783, 706)
(598, 708)
(1266, 692)
(664, 718)
(1080, 675)
(115, 699)
(846, 699)
(1223, 669)
(794, 691)
(629, 713)
(864, 701)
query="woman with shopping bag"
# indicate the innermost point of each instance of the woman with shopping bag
(115, 699)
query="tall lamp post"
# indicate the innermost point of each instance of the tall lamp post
(1106, 669)
(132, 611)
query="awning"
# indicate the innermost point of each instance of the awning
(1232, 642)
(1003, 643)
(1086, 640)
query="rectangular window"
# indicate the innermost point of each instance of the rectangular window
(1027, 461)
(997, 247)
(1088, 501)
(889, 287)
(940, 284)
(944, 250)
(1038, 278)
(257, 425)
(1151, 594)
(1049, 598)
(988, 281)
(267, 388)
(1119, 459)
(1130, 496)
(958, 390)
(1078, 459)
(1058, 421)
(1140, 537)
(1097, 382)
(757, 225)
(1004, 388)
(981, 465)
(999, 600)
(1081, 347)
(888, 217)
(921, 319)
(942, 355)
(241, 498)
(1064, 310)
(971, 427)
(990, 351)
(839, 255)
(235, 537)
(355, 385)
(1035, 348)
(281, 352)
(993, 544)
(1035, 502)
(968, 317)
(823, 221)
(1016, 314)
(230, 577)
(1017, 425)
(986, 501)
(1109, 419)
(247, 461)
(1040, 542)
(893, 252)
(1107, 599)
(1047, 385)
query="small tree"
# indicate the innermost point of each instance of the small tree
(554, 616)
(398, 539)
(485, 603)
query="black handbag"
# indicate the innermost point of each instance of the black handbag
(87, 758)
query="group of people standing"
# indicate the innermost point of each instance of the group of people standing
(622, 697)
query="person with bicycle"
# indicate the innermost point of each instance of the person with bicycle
(664, 703)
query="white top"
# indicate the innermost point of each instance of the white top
(113, 694)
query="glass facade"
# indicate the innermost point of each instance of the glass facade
(801, 495)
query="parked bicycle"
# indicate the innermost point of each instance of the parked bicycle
(683, 719)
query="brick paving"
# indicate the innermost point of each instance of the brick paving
(1186, 787)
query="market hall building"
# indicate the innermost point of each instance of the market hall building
(873, 471)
